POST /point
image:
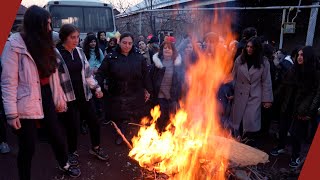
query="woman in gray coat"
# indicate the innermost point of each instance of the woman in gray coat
(252, 88)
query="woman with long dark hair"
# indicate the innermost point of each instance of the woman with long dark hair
(128, 79)
(102, 41)
(187, 52)
(144, 50)
(252, 89)
(300, 94)
(78, 82)
(93, 52)
(31, 90)
(111, 45)
(95, 57)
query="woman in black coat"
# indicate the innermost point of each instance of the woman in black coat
(128, 82)
(300, 99)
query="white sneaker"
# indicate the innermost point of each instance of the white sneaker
(4, 148)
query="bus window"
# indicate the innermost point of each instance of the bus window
(66, 15)
(87, 19)
(98, 19)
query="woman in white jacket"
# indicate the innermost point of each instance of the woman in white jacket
(32, 91)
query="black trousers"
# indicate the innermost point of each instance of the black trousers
(77, 110)
(252, 137)
(27, 136)
(3, 129)
(284, 126)
(298, 131)
(124, 118)
(106, 105)
(167, 107)
(267, 115)
(129, 131)
(99, 107)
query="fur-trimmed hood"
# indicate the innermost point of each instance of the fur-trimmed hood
(158, 63)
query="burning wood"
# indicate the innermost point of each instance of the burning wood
(163, 152)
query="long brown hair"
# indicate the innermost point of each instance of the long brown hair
(171, 46)
(87, 47)
(257, 53)
(38, 40)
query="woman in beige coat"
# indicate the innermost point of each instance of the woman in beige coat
(252, 88)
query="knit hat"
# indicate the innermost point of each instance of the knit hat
(171, 39)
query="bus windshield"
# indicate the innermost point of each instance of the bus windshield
(86, 18)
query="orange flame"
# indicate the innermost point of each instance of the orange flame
(187, 149)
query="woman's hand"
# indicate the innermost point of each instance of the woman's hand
(266, 104)
(230, 97)
(14, 123)
(99, 94)
(146, 96)
(61, 105)
(94, 70)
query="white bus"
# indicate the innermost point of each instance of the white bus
(87, 15)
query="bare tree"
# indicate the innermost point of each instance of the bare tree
(148, 18)
(180, 23)
(150, 5)
(120, 5)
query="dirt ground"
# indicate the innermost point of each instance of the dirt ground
(120, 166)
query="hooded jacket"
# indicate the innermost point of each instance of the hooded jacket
(20, 82)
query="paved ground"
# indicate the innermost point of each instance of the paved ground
(120, 167)
(45, 167)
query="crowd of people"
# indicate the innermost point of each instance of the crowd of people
(55, 82)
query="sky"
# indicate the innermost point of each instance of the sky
(116, 3)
